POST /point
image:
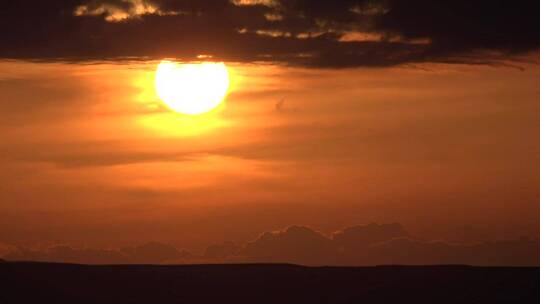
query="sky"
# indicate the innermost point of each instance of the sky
(339, 113)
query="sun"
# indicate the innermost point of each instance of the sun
(192, 89)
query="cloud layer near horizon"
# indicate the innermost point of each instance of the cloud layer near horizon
(344, 33)
(371, 244)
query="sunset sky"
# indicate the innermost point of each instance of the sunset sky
(338, 113)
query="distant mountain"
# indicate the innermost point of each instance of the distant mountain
(259, 283)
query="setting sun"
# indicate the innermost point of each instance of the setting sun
(192, 88)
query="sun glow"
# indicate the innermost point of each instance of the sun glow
(192, 88)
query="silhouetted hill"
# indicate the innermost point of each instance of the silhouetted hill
(259, 283)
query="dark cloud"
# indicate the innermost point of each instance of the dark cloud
(344, 33)
(465, 25)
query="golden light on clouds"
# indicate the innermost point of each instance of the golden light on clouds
(192, 89)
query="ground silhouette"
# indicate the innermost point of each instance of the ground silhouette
(265, 283)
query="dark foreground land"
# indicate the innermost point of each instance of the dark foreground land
(63, 283)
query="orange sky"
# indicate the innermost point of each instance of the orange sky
(89, 154)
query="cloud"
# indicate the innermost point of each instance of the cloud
(84, 155)
(306, 33)
(373, 244)
(149, 253)
(359, 237)
(384, 244)
(6, 249)
(303, 245)
(67, 254)
(296, 244)
(221, 251)
(376, 244)
(154, 253)
(117, 10)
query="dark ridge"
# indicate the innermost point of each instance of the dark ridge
(266, 283)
